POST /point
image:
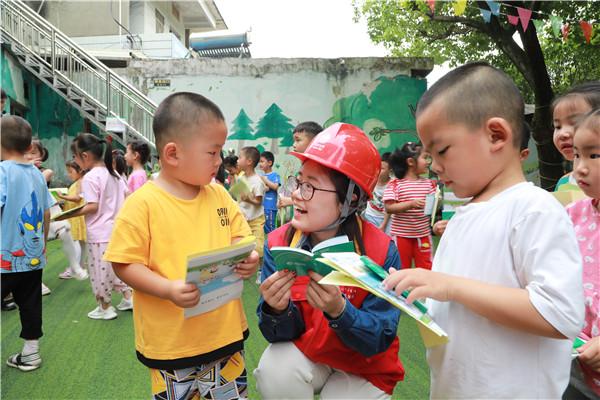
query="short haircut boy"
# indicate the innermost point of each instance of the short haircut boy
(178, 112)
(311, 128)
(267, 155)
(252, 154)
(15, 133)
(460, 90)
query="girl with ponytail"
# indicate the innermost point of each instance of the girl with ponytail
(104, 193)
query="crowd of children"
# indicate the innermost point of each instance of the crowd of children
(514, 280)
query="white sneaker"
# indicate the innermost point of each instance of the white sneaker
(101, 313)
(45, 290)
(125, 304)
(81, 275)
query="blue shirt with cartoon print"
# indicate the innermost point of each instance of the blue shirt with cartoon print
(23, 199)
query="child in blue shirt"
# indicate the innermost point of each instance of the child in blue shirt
(272, 181)
(25, 203)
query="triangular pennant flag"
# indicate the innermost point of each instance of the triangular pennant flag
(486, 14)
(539, 24)
(512, 19)
(587, 29)
(431, 4)
(524, 16)
(494, 7)
(459, 7)
(556, 24)
(565, 31)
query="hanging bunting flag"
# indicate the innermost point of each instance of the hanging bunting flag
(431, 4)
(459, 7)
(556, 24)
(524, 16)
(565, 31)
(587, 29)
(494, 7)
(539, 24)
(486, 14)
(512, 19)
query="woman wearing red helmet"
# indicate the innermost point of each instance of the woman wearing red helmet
(339, 342)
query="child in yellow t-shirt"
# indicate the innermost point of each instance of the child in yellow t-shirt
(73, 199)
(181, 213)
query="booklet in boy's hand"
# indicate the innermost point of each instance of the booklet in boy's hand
(68, 213)
(213, 272)
(352, 269)
(239, 188)
(301, 261)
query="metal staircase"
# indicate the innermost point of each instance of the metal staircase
(78, 77)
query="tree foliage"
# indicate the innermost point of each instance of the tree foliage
(541, 63)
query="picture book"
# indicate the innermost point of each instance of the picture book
(213, 273)
(67, 214)
(239, 187)
(301, 261)
(352, 269)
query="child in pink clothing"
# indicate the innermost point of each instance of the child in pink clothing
(104, 193)
(585, 215)
(136, 157)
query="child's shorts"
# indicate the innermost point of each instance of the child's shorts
(221, 379)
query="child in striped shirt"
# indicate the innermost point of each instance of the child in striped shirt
(404, 199)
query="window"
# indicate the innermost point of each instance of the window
(160, 22)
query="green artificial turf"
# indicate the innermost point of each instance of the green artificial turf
(88, 359)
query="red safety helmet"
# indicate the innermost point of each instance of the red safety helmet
(346, 148)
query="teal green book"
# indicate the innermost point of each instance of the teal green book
(301, 261)
(577, 343)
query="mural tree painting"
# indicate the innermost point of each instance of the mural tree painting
(539, 43)
(274, 125)
(242, 129)
(383, 109)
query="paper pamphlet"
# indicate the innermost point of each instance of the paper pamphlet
(68, 213)
(568, 193)
(55, 191)
(301, 261)
(239, 187)
(213, 273)
(431, 204)
(350, 270)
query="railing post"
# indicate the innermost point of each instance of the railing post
(107, 93)
(53, 49)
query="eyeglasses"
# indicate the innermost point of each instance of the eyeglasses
(307, 191)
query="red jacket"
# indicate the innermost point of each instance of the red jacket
(321, 344)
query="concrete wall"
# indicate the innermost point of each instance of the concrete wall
(87, 18)
(263, 99)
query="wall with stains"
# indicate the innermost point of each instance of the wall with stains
(263, 99)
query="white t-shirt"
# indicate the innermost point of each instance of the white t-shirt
(258, 188)
(521, 238)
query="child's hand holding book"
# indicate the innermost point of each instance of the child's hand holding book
(248, 267)
(182, 294)
(421, 282)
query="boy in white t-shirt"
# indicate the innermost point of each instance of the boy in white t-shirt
(251, 203)
(506, 282)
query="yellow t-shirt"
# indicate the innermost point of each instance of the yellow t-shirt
(159, 230)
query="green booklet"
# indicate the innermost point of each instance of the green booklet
(239, 188)
(577, 343)
(301, 261)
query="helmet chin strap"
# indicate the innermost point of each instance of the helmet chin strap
(347, 209)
